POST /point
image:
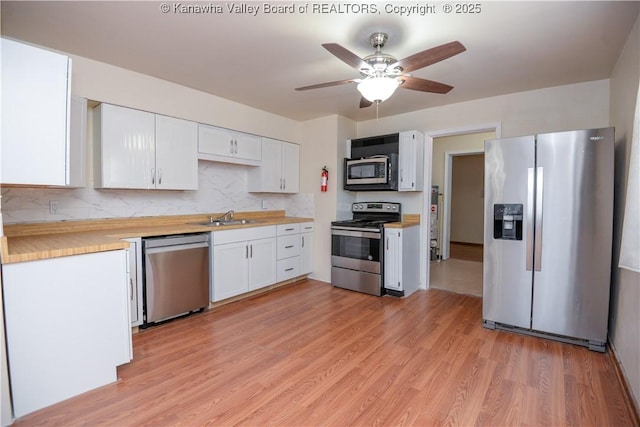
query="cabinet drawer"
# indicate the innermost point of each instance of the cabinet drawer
(285, 229)
(306, 227)
(287, 268)
(288, 246)
(240, 234)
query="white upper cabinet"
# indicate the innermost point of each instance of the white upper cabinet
(176, 153)
(223, 145)
(411, 159)
(35, 117)
(141, 150)
(280, 168)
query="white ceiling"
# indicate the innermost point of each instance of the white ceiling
(259, 60)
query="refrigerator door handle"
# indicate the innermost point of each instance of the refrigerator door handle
(529, 218)
(538, 237)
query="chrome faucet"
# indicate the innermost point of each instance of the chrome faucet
(223, 218)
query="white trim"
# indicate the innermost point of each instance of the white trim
(426, 199)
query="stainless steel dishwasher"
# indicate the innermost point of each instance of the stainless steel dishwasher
(176, 276)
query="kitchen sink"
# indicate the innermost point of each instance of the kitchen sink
(229, 222)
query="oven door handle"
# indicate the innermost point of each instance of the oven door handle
(355, 232)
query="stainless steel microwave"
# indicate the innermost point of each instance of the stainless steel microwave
(376, 173)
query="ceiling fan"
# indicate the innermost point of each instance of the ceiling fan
(383, 73)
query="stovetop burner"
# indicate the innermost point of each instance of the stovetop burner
(371, 215)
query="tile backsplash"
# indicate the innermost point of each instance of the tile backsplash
(220, 187)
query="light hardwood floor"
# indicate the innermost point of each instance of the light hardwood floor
(310, 354)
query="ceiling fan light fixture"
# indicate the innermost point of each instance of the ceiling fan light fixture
(377, 88)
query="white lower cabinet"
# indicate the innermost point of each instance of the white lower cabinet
(242, 260)
(67, 326)
(401, 260)
(288, 253)
(306, 247)
(134, 254)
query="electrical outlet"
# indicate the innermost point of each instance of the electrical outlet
(53, 207)
(264, 204)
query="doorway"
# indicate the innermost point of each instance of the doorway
(458, 171)
(467, 207)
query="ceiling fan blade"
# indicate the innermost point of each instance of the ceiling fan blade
(423, 85)
(347, 56)
(430, 56)
(364, 103)
(321, 85)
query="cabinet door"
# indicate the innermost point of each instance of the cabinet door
(248, 147)
(127, 147)
(306, 252)
(76, 174)
(411, 153)
(135, 280)
(392, 259)
(176, 154)
(67, 326)
(35, 100)
(290, 167)
(268, 177)
(215, 141)
(230, 270)
(262, 263)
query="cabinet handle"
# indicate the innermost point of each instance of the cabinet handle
(387, 243)
(235, 143)
(250, 251)
(289, 269)
(160, 176)
(231, 146)
(303, 241)
(288, 247)
(246, 251)
(153, 175)
(401, 175)
(284, 184)
(131, 286)
(288, 229)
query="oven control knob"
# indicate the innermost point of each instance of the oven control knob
(388, 207)
(360, 207)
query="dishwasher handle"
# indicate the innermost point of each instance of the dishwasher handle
(178, 240)
(173, 248)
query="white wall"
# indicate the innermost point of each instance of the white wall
(467, 199)
(322, 144)
(467, 143)
(625, 295)
(576, 106)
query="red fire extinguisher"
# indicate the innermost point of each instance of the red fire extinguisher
(325, 179)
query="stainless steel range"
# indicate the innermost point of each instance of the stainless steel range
(357, 251)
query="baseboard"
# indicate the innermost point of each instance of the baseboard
(630, 401)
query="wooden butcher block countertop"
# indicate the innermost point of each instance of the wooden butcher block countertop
(34, 241)
(408, 220)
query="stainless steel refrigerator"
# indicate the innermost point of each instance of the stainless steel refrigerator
(548, 235)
